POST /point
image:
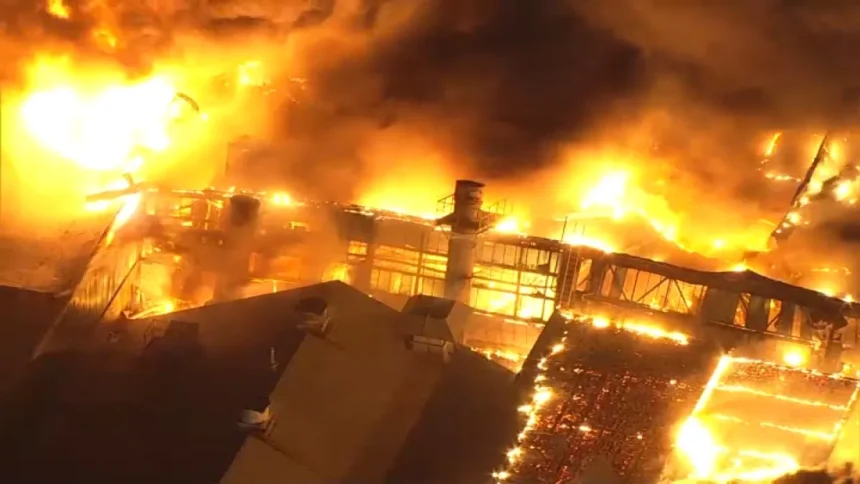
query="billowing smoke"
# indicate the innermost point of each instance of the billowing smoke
(486, 89)
(788, 60)
(845, 475)
(405, 95)
(502, 90)
(493, 87)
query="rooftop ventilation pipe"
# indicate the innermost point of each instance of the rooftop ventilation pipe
(465, 220)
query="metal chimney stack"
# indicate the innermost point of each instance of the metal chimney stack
(466, 221)
(240, 229)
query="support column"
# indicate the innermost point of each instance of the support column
(460, 268)
(240, 230)
(364, 268)
(465, 222)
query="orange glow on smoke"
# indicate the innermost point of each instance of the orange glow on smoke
(82, 128)
(77, 126)
(622, 192)
(607, 190)
(79, 132)
(413, 188)
(100, 131)
(100, 126)
(76, 132)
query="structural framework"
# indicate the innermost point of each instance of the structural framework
(640, 334)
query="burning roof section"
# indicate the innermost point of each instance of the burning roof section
(604, 391)
(757, 420)
(739, 279)
(611, 393)
(50, 263)
(303, 242)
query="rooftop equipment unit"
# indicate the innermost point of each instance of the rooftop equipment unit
(314, 317)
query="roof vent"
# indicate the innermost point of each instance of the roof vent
(252, 420)
(421, 344)
(314, 317)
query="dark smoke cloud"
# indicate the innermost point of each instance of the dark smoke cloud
(791, 60)
(496, 86)
(499, 85)
(809, 477)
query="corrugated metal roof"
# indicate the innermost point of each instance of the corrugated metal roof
(466, 426)
(344, 406)
(25, 316)
(50, 263)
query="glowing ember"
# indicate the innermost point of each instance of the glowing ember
(771, 146)
(543, 394)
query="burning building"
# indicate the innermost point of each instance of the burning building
(173, 254)
(604, 339)
(183, 285)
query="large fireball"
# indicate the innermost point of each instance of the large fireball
(98, 123)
